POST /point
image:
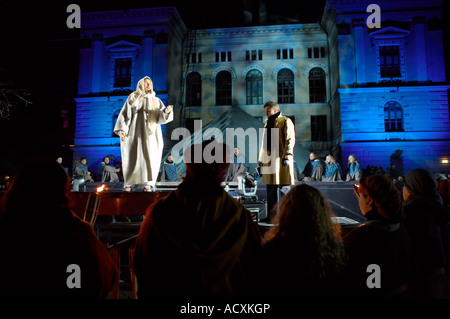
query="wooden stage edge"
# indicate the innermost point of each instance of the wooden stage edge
(114, 203)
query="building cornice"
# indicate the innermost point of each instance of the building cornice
(116, 18)
(260, 30)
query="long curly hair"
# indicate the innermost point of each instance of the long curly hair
(304, 219)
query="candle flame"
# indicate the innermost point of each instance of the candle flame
(101, 188)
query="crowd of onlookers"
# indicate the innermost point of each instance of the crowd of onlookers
(199, 243)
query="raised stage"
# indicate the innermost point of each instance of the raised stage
(117, 206)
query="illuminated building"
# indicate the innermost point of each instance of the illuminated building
(349, 89)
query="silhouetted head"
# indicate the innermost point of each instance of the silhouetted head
(304, 211)
(207, 161)
(40, 184)
(378, 192)
(421, 183)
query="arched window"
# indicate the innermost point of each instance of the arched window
(285, 85)
(194, 89)
(254, 87)
(114, 120)
(223, 88)
(317, 91)
(393, 117)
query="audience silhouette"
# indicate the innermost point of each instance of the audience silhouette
(303, 250)
(379, 245)
(41, 240)
(427, 223)
(198, 241)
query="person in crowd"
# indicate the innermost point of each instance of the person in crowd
(333, 170)
(313, 170)
(81, 170)
(353, 169)
(46, 251)
(106, 172)
(381, 262)
(276, 156)
(444, 191)
(59, 160)
(237, 168)
(141, 140)
(396, 162)
(169, 171)
(303, 250)
(197, 244)
(427, 223)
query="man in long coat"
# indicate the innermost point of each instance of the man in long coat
(141, 141)
(276, 156)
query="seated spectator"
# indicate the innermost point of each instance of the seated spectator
(81, 170)
(313, 170)
(238, 168)
(169, 171)
(427, 223)
(106, 172)
(59, 160)
(40, 237)
(333, 170)
(353, 169)
(197, 242)
(303, 251)
(381, 241)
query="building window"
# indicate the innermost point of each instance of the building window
(393, 117)
(285, 54)
(285, 86)
(254, 87)
(122, 72)
(318, 128)
(317, 91)
(194, 89)
(252, 55)
(193, 58)
(224, 56)
(223, 88)
(390, 61)
(316, 53)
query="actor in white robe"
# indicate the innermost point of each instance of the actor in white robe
(141, 141)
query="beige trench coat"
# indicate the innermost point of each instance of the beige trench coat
(272, 171)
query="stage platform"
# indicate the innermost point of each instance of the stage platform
(120, 213)
(119, 202)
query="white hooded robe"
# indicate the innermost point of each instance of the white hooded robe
(141, 118)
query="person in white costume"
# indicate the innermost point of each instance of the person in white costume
(141, 141)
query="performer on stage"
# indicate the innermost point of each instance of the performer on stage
(276, 158)
(141, 141)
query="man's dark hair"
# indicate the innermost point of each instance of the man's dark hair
(272, 105)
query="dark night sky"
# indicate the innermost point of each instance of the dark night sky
(39, 53)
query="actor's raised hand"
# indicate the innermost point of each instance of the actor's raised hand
(168, 109)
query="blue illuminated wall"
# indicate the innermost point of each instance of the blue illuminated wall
(418, 87)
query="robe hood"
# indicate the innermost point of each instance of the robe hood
(140, 90)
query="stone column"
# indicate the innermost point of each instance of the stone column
(97, 59)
